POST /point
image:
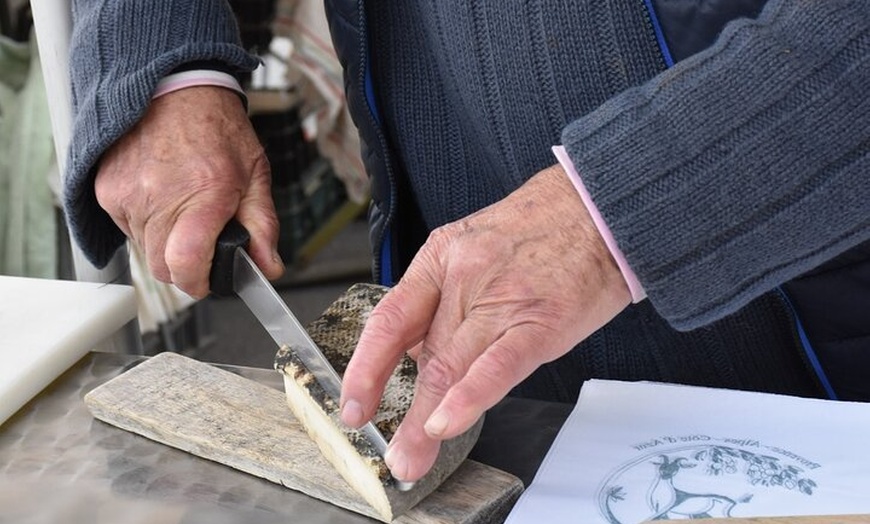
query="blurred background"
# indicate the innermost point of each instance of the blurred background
(297, 108)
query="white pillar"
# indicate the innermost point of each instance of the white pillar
(52, 20)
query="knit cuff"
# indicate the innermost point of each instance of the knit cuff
(634, 285)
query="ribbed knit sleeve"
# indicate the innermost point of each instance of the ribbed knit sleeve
(120, 49)
(741, 167)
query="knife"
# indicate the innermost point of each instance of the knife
(233, 271)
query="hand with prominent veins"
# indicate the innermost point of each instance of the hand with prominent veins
(487, 300)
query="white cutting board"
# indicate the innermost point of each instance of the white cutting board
(46, 326)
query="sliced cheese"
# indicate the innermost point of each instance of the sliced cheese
(336, 333)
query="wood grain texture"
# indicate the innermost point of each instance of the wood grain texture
(220, 416)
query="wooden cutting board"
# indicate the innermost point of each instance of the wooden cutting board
(223, 417)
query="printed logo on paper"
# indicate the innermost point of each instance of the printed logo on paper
(699, 476)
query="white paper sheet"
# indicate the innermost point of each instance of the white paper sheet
(637, 451)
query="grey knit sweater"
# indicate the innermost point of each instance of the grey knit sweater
(742, 167)
(734, 171)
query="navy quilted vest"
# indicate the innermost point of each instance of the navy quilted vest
(830, 305)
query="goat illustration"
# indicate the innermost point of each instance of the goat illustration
(669, 502)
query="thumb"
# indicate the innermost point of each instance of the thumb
(190, 247)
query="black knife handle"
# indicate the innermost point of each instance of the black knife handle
(233, 236)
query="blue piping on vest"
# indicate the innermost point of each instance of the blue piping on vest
(805, 341)
(386, 273)
(660, 35)
(386, 276)
(808, 347)
(370, 92)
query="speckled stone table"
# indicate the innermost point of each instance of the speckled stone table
(59, 464)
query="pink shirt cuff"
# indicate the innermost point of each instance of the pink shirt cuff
(197, 77)
(634, 286)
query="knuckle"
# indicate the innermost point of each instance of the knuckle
(105, 196)
(501, 363)
(183, 264)
(159, 269)
(441, 238)
(435, 374)
(434, 256)
(269, 223)
(386, 319)
(149, 182)
(177, 263)
(261, 161)
(464, 396)
(459, 247)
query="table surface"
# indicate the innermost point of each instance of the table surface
(58, 463)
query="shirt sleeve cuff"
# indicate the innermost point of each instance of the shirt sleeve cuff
(634, 286)
(198, 77)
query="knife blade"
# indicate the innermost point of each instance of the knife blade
(233, 272)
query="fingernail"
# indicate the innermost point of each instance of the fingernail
(437, 423)
(397, 462)
(276, 257)
(352, 414)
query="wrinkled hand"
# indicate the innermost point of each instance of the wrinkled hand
(177, 177)
(486, 301)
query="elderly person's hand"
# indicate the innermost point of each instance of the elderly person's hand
(177, 177)
(486, 301)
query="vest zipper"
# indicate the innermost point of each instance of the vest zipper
(653, 25)
(382, 265)
(809, 354)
